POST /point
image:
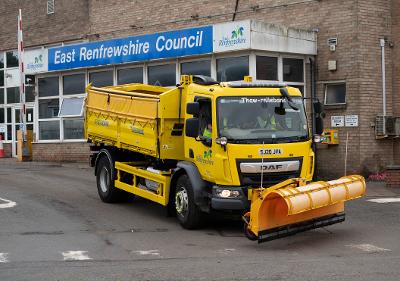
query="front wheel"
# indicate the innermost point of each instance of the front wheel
(188, 214)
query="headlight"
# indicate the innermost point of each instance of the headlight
(226, 193)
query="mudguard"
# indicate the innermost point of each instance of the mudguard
(199, 185)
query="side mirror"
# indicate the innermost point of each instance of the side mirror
(192, 127)
(319, 125)
(193, 108)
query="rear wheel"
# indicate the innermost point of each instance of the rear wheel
(188, 214)
(105, 181)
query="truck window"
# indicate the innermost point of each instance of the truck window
(205, 121)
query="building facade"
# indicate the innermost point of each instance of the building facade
(333, 47)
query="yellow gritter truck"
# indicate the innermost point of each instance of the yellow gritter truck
(206, 146)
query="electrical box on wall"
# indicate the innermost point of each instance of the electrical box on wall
(330, 136)
(332, 43)
(332, 65)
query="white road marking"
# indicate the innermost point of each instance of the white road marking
(148, 252)
(3, 257)
(368, 248)
(384, 200)
(76, 256)
(8, 204)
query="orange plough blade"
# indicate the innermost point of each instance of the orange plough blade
(293, 206)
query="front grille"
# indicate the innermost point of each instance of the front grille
(269, 179)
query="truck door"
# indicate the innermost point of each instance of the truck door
(200, 149)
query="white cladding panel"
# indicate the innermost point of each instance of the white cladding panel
(276, 38)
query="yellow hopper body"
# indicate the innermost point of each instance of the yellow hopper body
(293, 206)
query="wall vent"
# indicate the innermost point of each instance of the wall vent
(50, 7)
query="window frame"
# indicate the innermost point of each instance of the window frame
(204, 58)
(142, 66)
(325, 89)
(89, 71)
(158, 63)
(60, 98)
(233, 55)
(71, 115)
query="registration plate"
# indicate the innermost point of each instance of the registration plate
(270, 151)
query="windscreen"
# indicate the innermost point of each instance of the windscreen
(261, 119)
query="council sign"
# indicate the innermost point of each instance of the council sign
(185, 42)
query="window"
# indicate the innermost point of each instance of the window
(13, 95)
(232, 69)
(48, 86)
(1, 96)
(8, 114)
(162, 75)
(48, 108)
(49, 130)
(130, 75)
(73, 129)
(1, 60)
(71, 107)
(60, 105)
(73, 84)
(29, 115)
(29, 93)
(101, 78)
(1, 78)
(50, 7)
(293, 70)
(12, 59)
(266, 68)
(2, 126)
(196, 68)
(335, 93)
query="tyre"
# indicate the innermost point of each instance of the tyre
(250, 235)
(188, 214)
(105, 181)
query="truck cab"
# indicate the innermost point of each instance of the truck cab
(243, 135)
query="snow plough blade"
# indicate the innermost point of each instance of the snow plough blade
(292, 206)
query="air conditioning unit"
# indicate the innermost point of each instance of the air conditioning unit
(385, 126)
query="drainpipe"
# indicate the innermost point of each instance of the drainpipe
(313, 98)
(382, 41)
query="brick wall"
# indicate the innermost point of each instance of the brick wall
(395, 40)
(69, 22)
(61, 152)
(393, 176)
(7, 149)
